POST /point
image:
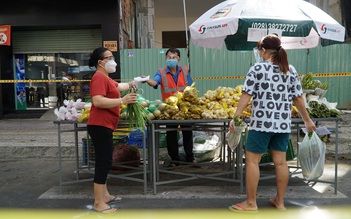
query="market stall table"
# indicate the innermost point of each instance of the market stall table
(79, 127)
(232, 161)
(235, 161)
(233, 165)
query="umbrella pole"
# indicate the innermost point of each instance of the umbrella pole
(186, 23)
(186, 33)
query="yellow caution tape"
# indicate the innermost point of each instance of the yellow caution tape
(40, 81)
(336, 74)
(219, 77)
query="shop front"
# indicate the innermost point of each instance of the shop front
(51, 78)
(47, 61)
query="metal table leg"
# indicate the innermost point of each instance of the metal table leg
(76, 149)
(154, 159)
(59, 155)
(336, 156)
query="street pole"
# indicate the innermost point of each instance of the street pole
(186, 33)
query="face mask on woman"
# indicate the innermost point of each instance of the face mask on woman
(110, 66)
(172, 63)
(256, 52)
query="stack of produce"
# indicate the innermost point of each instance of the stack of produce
(153, 108)
(214, 104)
(316, 104)
(222, 103)
(314, 87)
(183, 106)
(73, 110)
(320, 110)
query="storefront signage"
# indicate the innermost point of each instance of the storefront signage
(111, 45)
(5, 35)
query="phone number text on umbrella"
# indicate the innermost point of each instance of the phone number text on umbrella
(283, 27)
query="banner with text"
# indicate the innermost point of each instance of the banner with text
(5, 35)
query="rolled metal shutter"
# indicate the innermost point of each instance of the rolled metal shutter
(56, 41)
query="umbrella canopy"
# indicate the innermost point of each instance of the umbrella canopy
(240, 24)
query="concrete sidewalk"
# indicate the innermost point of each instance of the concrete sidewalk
(33, 183)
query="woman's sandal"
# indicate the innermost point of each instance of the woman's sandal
(115, 199)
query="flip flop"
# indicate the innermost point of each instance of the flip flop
(239, 208)
(106, 211)
(115, 199)
(272, 202)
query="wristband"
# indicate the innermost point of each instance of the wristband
(121, 101)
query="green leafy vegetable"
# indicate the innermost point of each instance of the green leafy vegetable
(324, 85)
(138, 116)
(238, 121)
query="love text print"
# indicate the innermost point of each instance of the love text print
(272, 97)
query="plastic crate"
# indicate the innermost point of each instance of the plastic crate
(136, 138)
(290, 154)
(120, 140)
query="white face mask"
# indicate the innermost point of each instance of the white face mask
(110, 66)
(256, 52)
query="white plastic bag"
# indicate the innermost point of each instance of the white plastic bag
(233, 139)
(311, 156)
(206, 146)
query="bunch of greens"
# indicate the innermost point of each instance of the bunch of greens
(238, 121)
(138, 116)
(320, 110)
(308, 83)
(324, 85)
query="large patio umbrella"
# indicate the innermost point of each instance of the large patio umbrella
(240, 24)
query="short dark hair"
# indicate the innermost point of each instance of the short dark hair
(96, 55)
(173, 50)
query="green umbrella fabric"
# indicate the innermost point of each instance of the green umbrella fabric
(240, 24)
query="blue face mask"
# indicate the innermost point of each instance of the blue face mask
(172, 63)
(258, 58)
